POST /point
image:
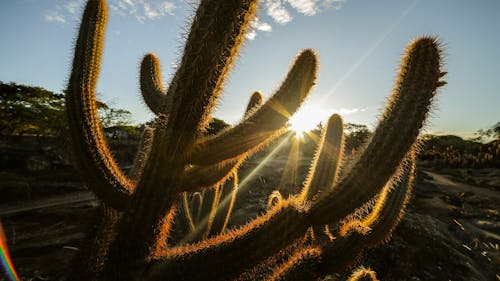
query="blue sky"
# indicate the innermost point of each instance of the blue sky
(359, 43)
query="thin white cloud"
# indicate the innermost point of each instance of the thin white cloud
(54, 16)
(158, 9)
(250, 35)
(333, 4)
(306, 7)
(348, 111)
(276, 10)
(141, 10)
(257, 25)
(73, 6)
(279, 10)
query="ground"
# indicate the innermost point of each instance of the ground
(451, 230)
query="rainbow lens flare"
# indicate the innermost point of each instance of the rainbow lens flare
(5, 258)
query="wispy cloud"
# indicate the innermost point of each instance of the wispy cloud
(348, 111)
(281, 10)
(141, 10)
(306, 7)
(257, 25)
(277, 11)
(54, 16)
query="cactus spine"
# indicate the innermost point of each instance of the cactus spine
(178, 158)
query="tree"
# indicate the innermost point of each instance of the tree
(30, 110)
(492, 132)
(356, 136)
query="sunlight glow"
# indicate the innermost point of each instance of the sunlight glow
(307, 118)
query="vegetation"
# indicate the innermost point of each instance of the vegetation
(29, 110)
(453, 151)
(178, 157)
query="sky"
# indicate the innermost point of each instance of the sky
(359, 44)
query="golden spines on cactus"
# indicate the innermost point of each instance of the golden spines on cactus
(152, 88)
(325, 167)
(358, 234)
(215, 37)
(180, 156)
(298, 267)
(267, 122)
(90, 150)
(396, 132)
(363, 274)
(254, 103)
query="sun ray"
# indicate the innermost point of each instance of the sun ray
(242, 185)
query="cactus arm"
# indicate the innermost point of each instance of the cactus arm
(152, 88)
(363, 274)
(226, 204)
(303, 265)
(274, 199)
(265, 123)
(326, 163)
(254, 103)
(397, 131)
(142, 153)
(92, 154)
(217, 174)
(285, 222)
(235, 251)
(216, 35)
(208, 176)
(380, 222)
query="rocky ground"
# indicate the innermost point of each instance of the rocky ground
(451, 230)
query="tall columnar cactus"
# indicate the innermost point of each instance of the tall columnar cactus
(177, 157)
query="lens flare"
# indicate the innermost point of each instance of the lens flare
(7, 265)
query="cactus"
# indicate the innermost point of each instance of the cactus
(178, 157)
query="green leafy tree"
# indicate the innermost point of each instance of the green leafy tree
(356, 136)
(30, 110)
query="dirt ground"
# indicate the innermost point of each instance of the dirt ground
(451, 230)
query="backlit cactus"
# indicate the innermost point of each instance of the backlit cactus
(177, 157)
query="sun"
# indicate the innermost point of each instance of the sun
(307, 118)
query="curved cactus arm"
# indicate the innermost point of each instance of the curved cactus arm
(285, 223)
(363, 274)
(217, 174)
(217, 33)
(301, 266)
(152, 88)
(236, 250)
(389, 206)
(142, 153)
(265, 123)
(325, 168)
(90, 150)
(414, 91)
(226, 203)
(397, 131)
(274, 199)
(380, 222)
(208, 176)
(253, 104)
